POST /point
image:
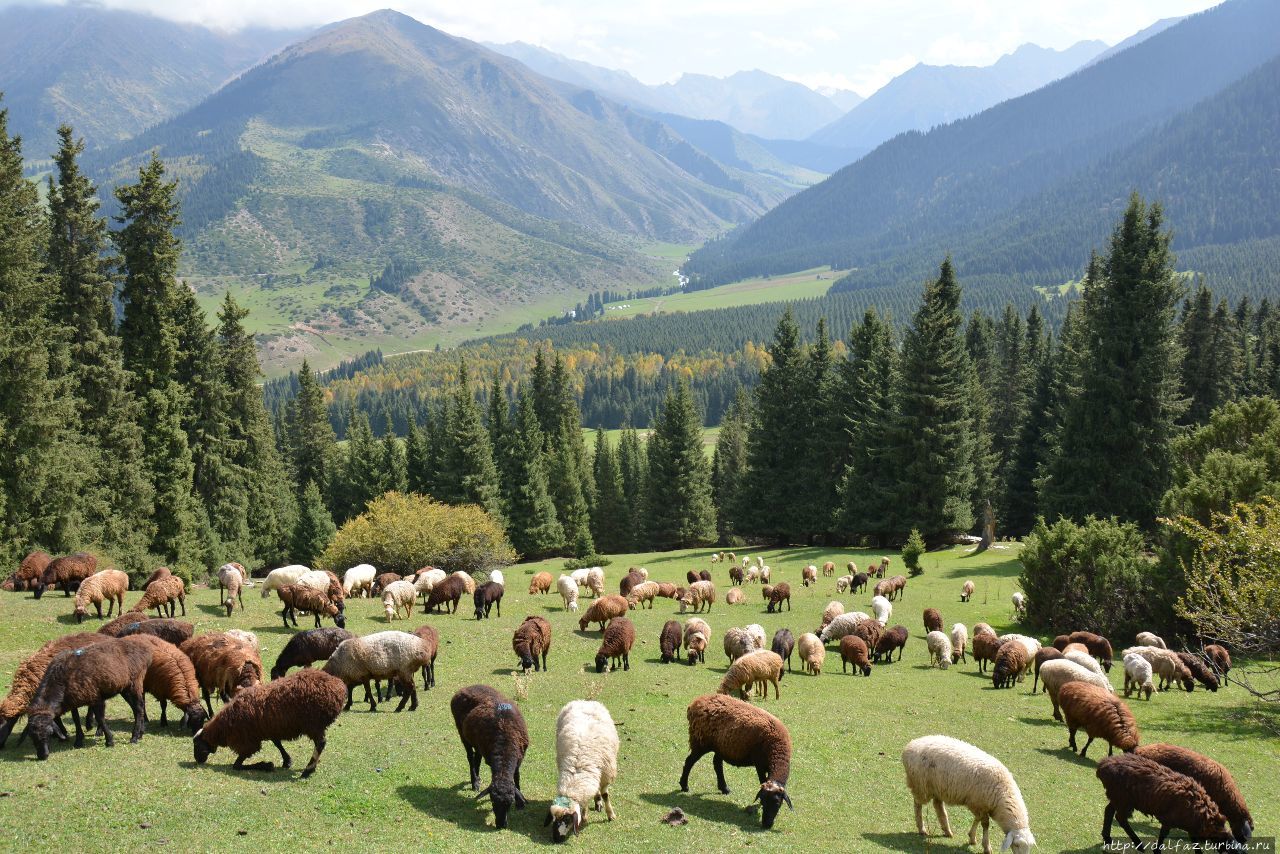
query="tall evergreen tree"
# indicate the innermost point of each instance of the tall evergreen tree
(679, 510)
(417, 460)
(826, 445)
(393, 473)
(611, 522)
(1010, 385)
(1212, 363)
(313, 528)
(980, 343)
(362, 473)
(729, 468)
(532, 523)
(634, 466)
(1018, 507)
(865, 409)
(469, 474)
(310, 434)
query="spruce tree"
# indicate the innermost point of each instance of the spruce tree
(634, 467)
(679, 512)
(1018, 507)
(310, 434)
(826, 443)
(1212, 363)
(611, 521)
(864, 408)
(981, 345)
(729, 468)
(417, 460)
(532, 524)
(362, 471)
(313, 529)
(469, 475)
(393, 473)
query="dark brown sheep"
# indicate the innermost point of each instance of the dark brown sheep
(932, 620)
(381, 582)
(1201, 671)
(859, 584)
(223, 664)
(66, 573)
(1216, 780)
(486, 597)
(26, 679)
(1100, 713)
(446, 593)
(1060, 642)
(631, 579)
(704, 575)
(1098, 646)
(669, 640)
(1043, 654)
(853, 650)
(781, 593)
(493, 730)
(870, 631)
(306, 648)
(431, 645)
(894, 638)
(735, 575)
(171, 678)
(161, 595)
(667, 590)
(743, 735)
(301, 704)
(175, 632)
(984, 646)
(30, 570)
(603, 610)
(1011, 663)
(784, 643)
(532, 641)
(122, 622)
(308, 600)
(1175, 800)
(692, 576)
(1221, 660)
(615, 647)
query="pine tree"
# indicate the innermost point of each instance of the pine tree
(532, 523)
(864, 406)
(469, 475)
(980, 344)
(634, 466)
(1212, 364)
(1011, 384)
(611, 522)
(933, 430)
(1018, 506)
(314, 528)
(310, 434)
(362, 472)
(729, 468)
(417, 460)
(827, 443)
(393, 473)
(679, 511)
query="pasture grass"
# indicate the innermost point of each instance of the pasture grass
(709, 437)
(806, 284)
(397, 781)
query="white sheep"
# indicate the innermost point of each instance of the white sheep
(883, 608)
(497, 577)
(939, 649)
(359, 580)
(841, 626)
(1137, 675)
(1165, 664)
(283, 576)
(1058, 672)
(843, 583)
(587, 756)
(959, 643)
(834, 609)
(397, 595)
(765, 572)
(426, 582)
(946, 770)
(568, 590)
(391, 655)
(245, 637)
(757, 634)
(644, 573)
(1149, 639)
(1031, 645)
(231, 580)
(812, 652)
(1084, 659)
(751, 575)
(700, 593)
(1019, 604)
(737, 643)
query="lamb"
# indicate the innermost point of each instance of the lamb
(735, 596)
(358, 580)
(223, 664)
(568, 590)
(1010, 663)
(1166, 664)
(834, 609)
(492, 729)
(230, 583)
(939, 649)
(809, 575)
(26, 679)
(696, 634)
(1084, 659)
(742, 735)
(946, 770)
(759, 668)
(109, 585)
(175, 632)
(643, 592)
(1175, 800)
(308, 600)
(870, 631)
(1220, 658)
(859, 583)
(391, 655)
(932, 620)
(1199, 670)
(305, 703)
(603, 610)
(986, 646)
(966, 591)
(587, 756)
(737, 643)
(1101, 713)
(161, 594)
(894, 638)
(1019, 604)
(959, 640)
(882, 608)
(783, 643)
(615, 646)
(305, 648)
(1098, 646)
(65, 573)
(540, 583)
(430, 647)
(277, 578)
(1137, 675)
(1056, 674)
(1149, 639)
(1044, 654)
(531, 641)
(445, 593)
(486, 597)
(781, 593)
(30, 570)
(669, 640)
(812, 652)
(853, 650)
(89, 676)
(828, 568)
(171, 677)
(1216, 780)
(841, 626)
(699, 594)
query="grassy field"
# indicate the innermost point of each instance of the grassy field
(709, 437)
(397, 781)
(793, 286)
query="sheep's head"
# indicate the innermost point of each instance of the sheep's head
(203, 749)
(771, 796)
(866, 670)
(80, 613)
(1106, 665)
(1018, 841)
(194, 717)
(565, 818)
(38, 590)
(504, 795)
(602, 661)
(41, 727)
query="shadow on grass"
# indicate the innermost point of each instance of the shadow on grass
(710, 806)
(211, 610)
(1247, 720)
(1040, 721)
(904, 841)
(458, 805)
(1065, 754)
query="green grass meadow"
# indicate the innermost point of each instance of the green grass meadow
(392, 782)
(806, 284)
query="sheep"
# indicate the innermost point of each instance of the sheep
(381, 582)
(1060, 642)
(766, 591)
(157, 573)
(109, 584)
(26, 679)
(1019, 601)
(230, 583)
(1085, 660)
(591, 578)
(223, 664)
(696, 634)
(735, 575)
(1149, 639)
(282, 576)
(946, 770)
(894, 638)
(1101, 713)
(492, 729)
(834, 609)
(979, 628)
(31, 569)
(966, 591)
(667, 590)
(1176, 801)
(812, 652)
(843, 583)
(65, 573)
(853, 650)
(742, 735)
(765, 573)
(296, 597)
(603, 610)
(1076, 648)
(531, 641)
(1199, 670)
(899, 584)
(841, 626)
(1221, 660)
(1098, 646)
(1137, 675)
(692, 576)
(1044, 654)
(751, 575)
(1166, 664)
(859, 583)
(758, 668)
(781, 593)
(959, 641)
(758, 637)
(391, 655)
(446, 593)
(305, 703)
(932, 620)
(631, 579)
(1010, 663)
(939, 649)
(1029, 644)
(1216, 780)
(1055, 674)
(486, 597)
(737, 643)
(431, 646)
(870, 631)
(175, 632)
(171, 677)
(89, 676)
(703, 574)
(643, 592)
(828, 569)
(323, 582)
(699, 594)
(735, 596)
(568, 590)
(160, 594)
(615, 646)
(587, 756)
(495, 576)
(809, 575)
(986, 646)
(882, 608)
(883, 567)
(358, 580)
(783, 643)
(426, 579)
(305, 648)
(540, 583)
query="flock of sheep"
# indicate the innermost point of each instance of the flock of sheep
(135, 654)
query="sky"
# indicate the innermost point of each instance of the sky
(850, 44)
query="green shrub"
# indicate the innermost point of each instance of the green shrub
(401, 533)
(590, 560)
(911, 553)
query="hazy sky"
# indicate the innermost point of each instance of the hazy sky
(858, 44)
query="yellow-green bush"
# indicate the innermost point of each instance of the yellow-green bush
(401, 533)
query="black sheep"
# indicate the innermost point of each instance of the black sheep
(487, 595)
(783, 643)
(493, 730)
(1133, 782)
(669, 640)
(305, 648)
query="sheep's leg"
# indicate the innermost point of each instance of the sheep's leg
(626, 661)
(473, 760)
(689, 762)
(719, 766)
(98, 607)
(986, 834)
(134, 698)
(920, 819)
(941, 809)
(1071, 739)
(351, 691)
(100, 709)
(315, 758)
(257, 766)
(408, 693)
(182, 600)
(1084, 749)
(1124, 823)
(285, 759)
(75, 716)
(164, 707)
(373, 704)
(207, 702)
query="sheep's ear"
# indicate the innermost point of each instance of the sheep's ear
(520, 801)
(787, 798)
(484, 792)
(1008, 841)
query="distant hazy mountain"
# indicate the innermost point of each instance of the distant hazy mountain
(111, 73)
(1140, 36)
(617, 85)
(929, 95)
(845, 99)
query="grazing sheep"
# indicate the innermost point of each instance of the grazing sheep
(26, 679)
(783, 643)
(1019, 604)
(751, 575)
(1101, 713)
(603, 610)
(643, 592)
(883, 609)
(853, 650)
(1056, 674)
(230, 586)
(812, 652)
(1221, 660)
(308, 600)
(669, 640)
(979, 628)
(301, 704)
(157, 573)
(899, 583)
(324, 582)
(1060, 642)
(667, 590)
(568, 590)
(445, 593)
(486, 597)
(1199, 670)
(358, 580)
(1216, 780)
(161, 595)
(1166, 665)
(531, 641)
(758, 668)
(781, 593)
(966, 591)
(175, 632)
(692, 576)
(1075, 647)
(308, 647)
(737, 643)
(734, 597)
(631, 579)
(587, 756)
(696, 635)
(932, 620)
(1098, 646)
(828, 568)
(1029, 644)
(427, 579)
(1084, 659)
(495, 576)
(883, 588)
(284, 575)
(742, 735)
(939, 649)
(841, 626)
(109, 585)
(766, 591)
(699, 594)
(843, 584)
(223, 664)
(65, 573)
(870, 631)
(949, 771)
(1176, 801)
(1149, 639)
(30, 570)
(430, 647)
(809, 575)
(959, 641)
(703, 574)
(735, 575)
(493, 730)
(540, 583)
(1044, 654)
(1010, 663)
(986, 646)
(765, 573)
(381, 582)
(591, 578)
(894, 638)
(391, 655)
(758, 636)
(859, 583)
(834, 609)
(171, 677)
(615, 646)
(1137, 675)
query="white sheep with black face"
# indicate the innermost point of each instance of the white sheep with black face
(587, 756)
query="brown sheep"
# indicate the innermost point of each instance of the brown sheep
(760, 668)
(1201, 671)
(161, 594)
(631, 579)
(531, 641)
(1099, 647)
(446, 593)
(231, 581)
(1011, 663)
(109, 585)
(1221, 660)
(1060, 642)
(431, 645)
(1101, 714)
(735, 575)
(853, 650)
(171, 677)
(159, 572)
(603, 610)
(704, 575)
(809, 575)
(540, 583)
(308, 600)
(667, 590)
(870, 631)
(492, 730)
(932, 620)
(223, 664)
(966, 591)
(122, 622)
(894, 638)
(669, 640)
(305, 703)
(66, 573)
(30, 570)
(381, 582)
(619, 636)
(175, 632)
(1175, 800)
(308, 647)
(766, 591)
(781, 593)
(26, 679)
(643, 592)
(829, 568)
(692, 576)
(1043, 654)
(984, 647)
(1216, 780)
